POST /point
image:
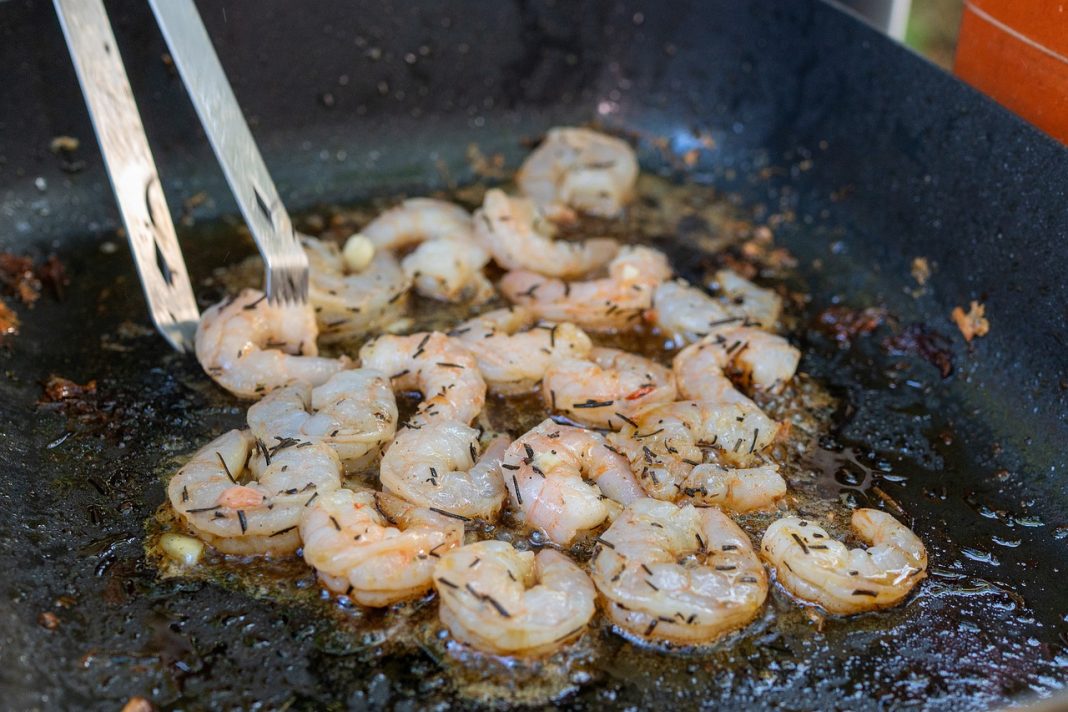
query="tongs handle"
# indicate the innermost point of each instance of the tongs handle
(131, 169)
(199, 67)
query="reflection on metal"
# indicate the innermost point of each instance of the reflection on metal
(131, 169)
(216, 105)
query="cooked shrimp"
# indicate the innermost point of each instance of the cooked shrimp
(686, 313)
(437, 366)
(546, 473)
(225, 505)
(434, 465)
(417, 220)
(518, 237)
(580, 168)
(755, 304)
(512, 352)
(699, 374)
(450, 270)
(818, 569)
(742, 490)
(508, 602)
(761, 360)
(665, 442)
(447, 264)
(250, 346)
(605, 388)
(678, 574)
(617, 301)
(374, 559)
(354, 412)
(348, 305)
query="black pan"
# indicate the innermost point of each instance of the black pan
(877, 156)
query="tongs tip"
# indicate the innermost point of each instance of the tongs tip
(287, 284)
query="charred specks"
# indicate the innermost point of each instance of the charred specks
(592, 404)
(262, 447)
(419, 348)
(226, 468)
(445, 513)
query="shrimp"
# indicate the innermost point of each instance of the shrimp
(665, 442)
(686, 313)
(508, 602)
(512, 352)
(548, 469)
(518, 237)
(755, 304)
(678, 574)
(435, 466)
(699, 374)
(610, 385)
(437, 366)
(372, 558)
(222, 501)
(354, 412)
(250, 346)
(348, 305)
(741, 490)
(764, 361)
(617, 301)
(580, 168)
(447, 264)
(417, 220)
(818, 569)
(450, 270)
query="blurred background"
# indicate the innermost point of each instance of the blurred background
(932, 29)
(1014, 51)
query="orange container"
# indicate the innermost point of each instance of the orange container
(1016, 51)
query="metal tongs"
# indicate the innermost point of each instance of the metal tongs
(133, 173)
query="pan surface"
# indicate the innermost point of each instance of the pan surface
(862, 156)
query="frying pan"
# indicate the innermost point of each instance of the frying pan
(875, 156)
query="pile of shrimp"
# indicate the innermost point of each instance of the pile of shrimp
(648, 463)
